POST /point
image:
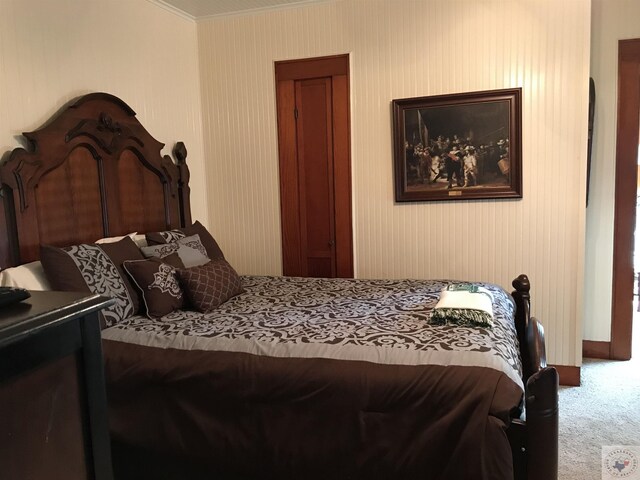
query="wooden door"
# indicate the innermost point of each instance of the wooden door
(625, 198)
(315, 170)
(315, 176)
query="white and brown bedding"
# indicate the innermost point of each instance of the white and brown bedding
(297, 377)
(320, 378)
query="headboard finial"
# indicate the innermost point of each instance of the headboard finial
(180, 152)
(521, 284)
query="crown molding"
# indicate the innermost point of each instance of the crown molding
(181, 13)
(250, 11)
(170, 8)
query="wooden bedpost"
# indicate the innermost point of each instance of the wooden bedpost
(530, 331)
(542, 425)
(523, 305)
(184, 191)
(537, 437)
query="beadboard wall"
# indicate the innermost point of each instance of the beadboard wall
(54, 51)
(612, 20)
(404, 49)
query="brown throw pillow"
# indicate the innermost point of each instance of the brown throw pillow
(210, 285)
(96, 269)
(168, 236)
(157, 283)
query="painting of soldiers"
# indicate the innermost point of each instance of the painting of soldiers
(459, 146)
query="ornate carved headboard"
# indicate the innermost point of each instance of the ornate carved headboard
(93, 171)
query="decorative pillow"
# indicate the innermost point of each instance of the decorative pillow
(96, 269)
(168, 236)
(30, 276)
(189, 249)
(210, 285)
(157, 283)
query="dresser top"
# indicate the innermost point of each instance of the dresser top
(45, 309)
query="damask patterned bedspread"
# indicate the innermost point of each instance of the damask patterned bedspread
(381, 321)
(320, 378)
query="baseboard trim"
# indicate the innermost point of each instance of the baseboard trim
(569, 375)
(593, 349)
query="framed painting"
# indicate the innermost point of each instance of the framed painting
(458, 147)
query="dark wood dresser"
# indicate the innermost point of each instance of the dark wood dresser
(53, 408)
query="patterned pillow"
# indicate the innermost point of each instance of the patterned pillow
(189, 249)
(157, 283)
(210, 285)
(168, 236)
(96, 269)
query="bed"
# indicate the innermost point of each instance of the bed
(293, 377)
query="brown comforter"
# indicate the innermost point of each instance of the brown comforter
(319, 379)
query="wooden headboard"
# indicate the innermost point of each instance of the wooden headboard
(93, 171)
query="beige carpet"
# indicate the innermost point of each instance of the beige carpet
(605, 410)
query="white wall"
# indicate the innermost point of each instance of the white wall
(54, 51)
(404, 49)
(611, 20)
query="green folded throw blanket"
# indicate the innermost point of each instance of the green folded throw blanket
(464, 305)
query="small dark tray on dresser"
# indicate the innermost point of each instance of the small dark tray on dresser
(53, 408)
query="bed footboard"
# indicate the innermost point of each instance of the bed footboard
(534, 440)
(542, 425)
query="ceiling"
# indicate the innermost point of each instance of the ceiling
(211, 8)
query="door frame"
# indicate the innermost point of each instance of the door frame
(286, 73)
(628, 126)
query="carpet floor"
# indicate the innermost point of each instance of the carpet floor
(604, 410)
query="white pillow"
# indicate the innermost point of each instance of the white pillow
(30, 276)
(139, 239)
